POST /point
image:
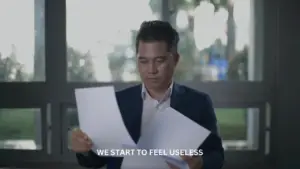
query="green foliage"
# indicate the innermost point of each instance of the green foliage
(238, 69)
(17, 124)
(10, 68)
(20, 123)
(80, 66)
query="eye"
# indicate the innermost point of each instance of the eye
(160, 60)
(143, 61)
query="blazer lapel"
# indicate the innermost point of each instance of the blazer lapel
(134, 112)
(131, 107)
(177, 97)
(137, 109)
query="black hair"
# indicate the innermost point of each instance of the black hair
(156, 30)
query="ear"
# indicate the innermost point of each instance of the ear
(176, 58)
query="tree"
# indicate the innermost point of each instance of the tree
(238, 66)
(10, 70)
(79, 69)
(80, 66)
(189, 66)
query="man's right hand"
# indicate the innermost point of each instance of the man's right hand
(80, 142)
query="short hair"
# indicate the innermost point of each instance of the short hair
(156, 30)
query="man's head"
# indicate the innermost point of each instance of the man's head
(157, 56)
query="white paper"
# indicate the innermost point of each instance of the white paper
(171, 130)
(144, 162)
(168, 130)
(100, 118)
(159, 162)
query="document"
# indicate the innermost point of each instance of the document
(100, 118)
(144, 162)
(169, 130)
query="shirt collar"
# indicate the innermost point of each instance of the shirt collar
(168, 93)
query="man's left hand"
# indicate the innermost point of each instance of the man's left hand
(193, 162)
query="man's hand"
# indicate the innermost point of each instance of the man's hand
(193, 162)
(80, 142)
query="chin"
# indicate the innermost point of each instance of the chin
(153, 85)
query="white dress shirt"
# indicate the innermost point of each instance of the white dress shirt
(152, 106)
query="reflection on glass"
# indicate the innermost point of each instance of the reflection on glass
(101, 37)
(215, 40)
(20, 129)
(238, 131)
(22, 43)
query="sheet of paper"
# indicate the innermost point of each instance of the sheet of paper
(100, 118)
(176, 162)
(149, 161)
(158, 162)
(170, 130)
(144, 162)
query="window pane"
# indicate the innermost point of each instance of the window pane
(101, 37)
(238, 127)
(215, 42)
(20, 129)
(22, 44)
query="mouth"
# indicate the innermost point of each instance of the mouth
(153, 79)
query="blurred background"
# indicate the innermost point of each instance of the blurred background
(48, 49)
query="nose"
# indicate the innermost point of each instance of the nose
(152, 68)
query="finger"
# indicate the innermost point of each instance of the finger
(80, 134)
(172, 166)
(81, 140)
(187, 158)
(76, 132)
(86, 138)
(89, 141)
(85, 141)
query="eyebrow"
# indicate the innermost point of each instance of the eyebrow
(157, 57)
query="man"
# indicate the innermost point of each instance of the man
(157, 57)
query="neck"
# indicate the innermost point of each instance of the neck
(159, 93)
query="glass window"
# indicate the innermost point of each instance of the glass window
(20, 129)
(216, 42)
(101, 37)
(238, 127)
(216, 39)
(22, 44)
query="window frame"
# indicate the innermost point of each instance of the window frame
(57, 91)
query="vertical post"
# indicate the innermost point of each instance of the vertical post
(39, 60)
(231, 37)
(255, 67)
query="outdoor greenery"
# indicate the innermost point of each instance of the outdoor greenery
(20, 123)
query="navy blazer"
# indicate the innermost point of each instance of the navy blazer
(193, 104)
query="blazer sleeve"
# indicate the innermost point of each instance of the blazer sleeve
(91, 160)
(213, 152)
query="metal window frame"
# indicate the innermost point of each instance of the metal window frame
(56, 91)
(232, 158)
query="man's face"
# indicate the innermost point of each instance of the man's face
(156, 64)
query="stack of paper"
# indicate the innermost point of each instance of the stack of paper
(98, 111)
